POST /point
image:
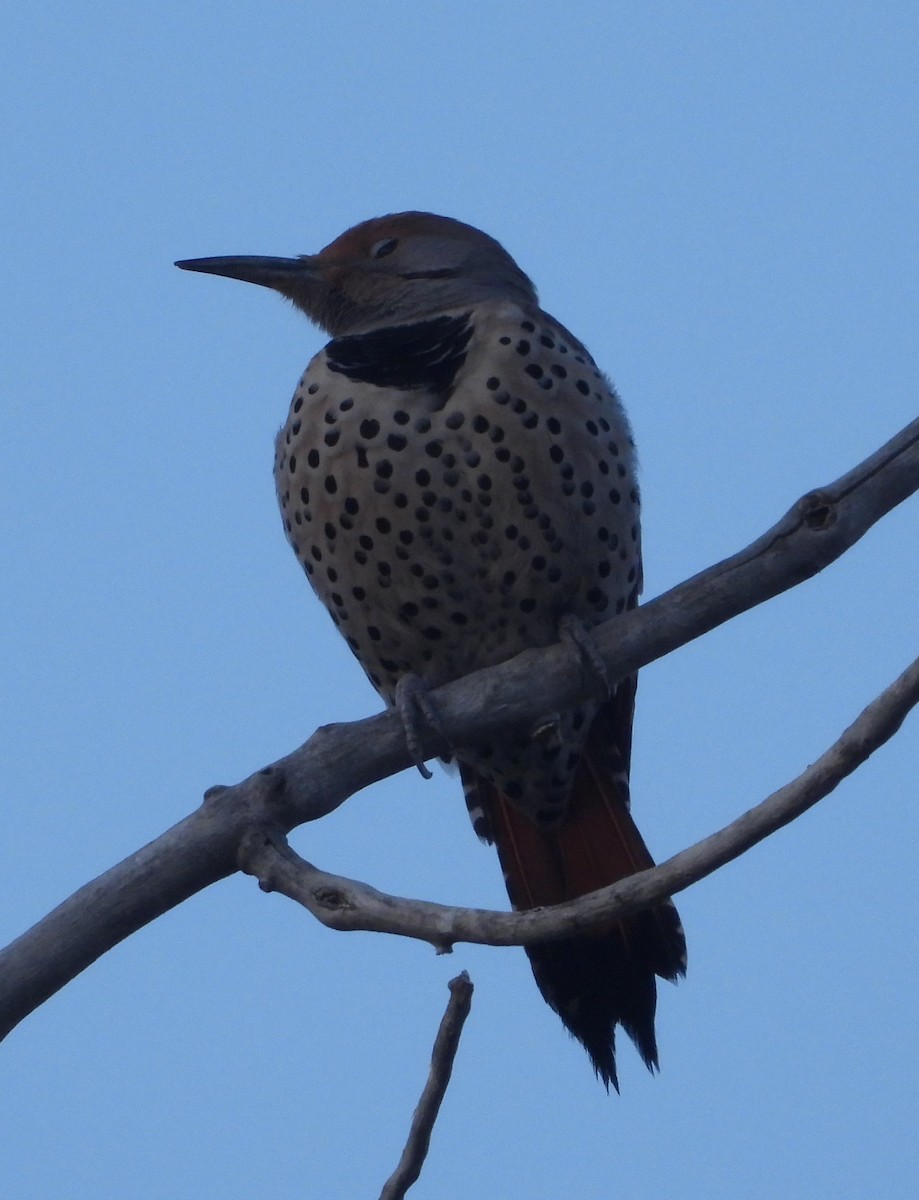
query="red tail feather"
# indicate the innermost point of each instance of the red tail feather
(598, 982)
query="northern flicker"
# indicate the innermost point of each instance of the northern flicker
(457, 479)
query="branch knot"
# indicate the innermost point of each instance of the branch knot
(332, 897)
(818, 510)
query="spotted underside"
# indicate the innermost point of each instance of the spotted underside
(454, 487)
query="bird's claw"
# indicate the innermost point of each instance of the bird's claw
(573, 630)
(413, 700)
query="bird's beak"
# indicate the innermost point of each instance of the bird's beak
(281, 274)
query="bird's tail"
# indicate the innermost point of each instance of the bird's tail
(599, 981)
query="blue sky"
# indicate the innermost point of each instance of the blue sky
(720, 199)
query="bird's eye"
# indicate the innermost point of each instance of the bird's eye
(381, 249)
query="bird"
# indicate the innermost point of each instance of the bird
(457, 478)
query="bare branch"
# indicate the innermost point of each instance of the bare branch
(346, 904)
(340, 760)
(445, 1046)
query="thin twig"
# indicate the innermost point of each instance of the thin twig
(445, 1046)
(345, 904)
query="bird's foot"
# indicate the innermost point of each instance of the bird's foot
(414, 703)
(572, 630)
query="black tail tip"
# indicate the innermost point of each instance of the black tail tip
(595, 984)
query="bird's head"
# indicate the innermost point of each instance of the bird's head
(389, 270)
